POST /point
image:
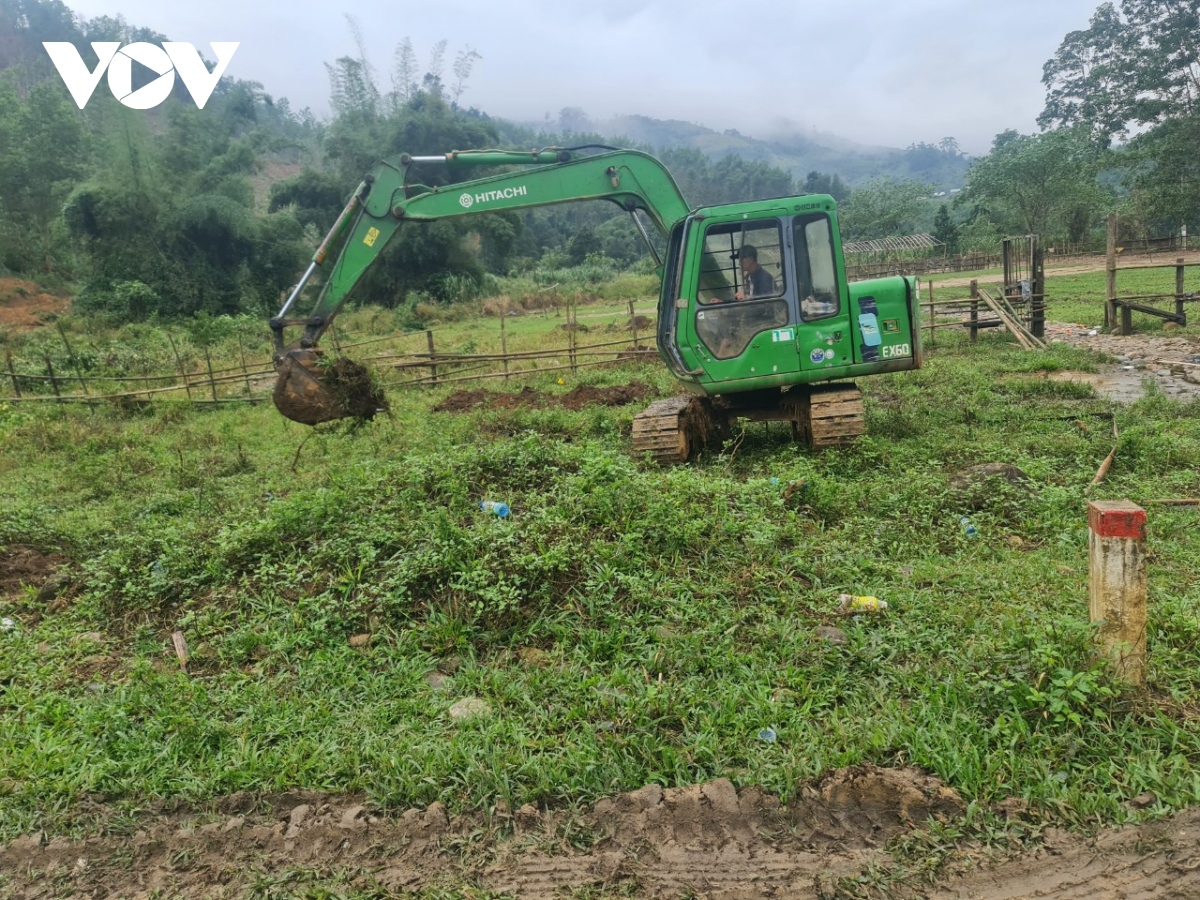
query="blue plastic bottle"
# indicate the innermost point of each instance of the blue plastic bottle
(968, 527)
(495, 506)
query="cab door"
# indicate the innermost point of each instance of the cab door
(741, 323)
(824, 339)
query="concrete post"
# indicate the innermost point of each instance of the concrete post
(1117, 584)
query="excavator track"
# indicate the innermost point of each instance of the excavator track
(672, 430)
(835, 416)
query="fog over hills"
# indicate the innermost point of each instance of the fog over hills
(784, 144)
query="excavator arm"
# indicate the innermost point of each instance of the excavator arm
(389, 197)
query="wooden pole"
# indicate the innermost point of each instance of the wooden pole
(53, 380)
(974, 311)
(572, 314)
(71, 356)
(433, 373)
(245, 370)
(1179, 291)
(1037, 299)
(13, 374)
(212, 382)
(187, 386)
(1117, 584)
(931, 316)
(504, 342)
(1110, 266)
(633, 325)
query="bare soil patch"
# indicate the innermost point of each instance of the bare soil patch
(707, 840)
(1156, 861)
(24, 305)
(21, 564)
(577, 398)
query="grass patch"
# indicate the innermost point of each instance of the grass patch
(673, 611)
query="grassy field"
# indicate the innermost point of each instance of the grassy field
(625, 625)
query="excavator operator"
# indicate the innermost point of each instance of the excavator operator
(758, 281)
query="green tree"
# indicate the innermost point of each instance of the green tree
(1136, 66)
(822, 183)
(1043, 184)
(582, 245)
(945, 230)
(42, 153)
(884, 207)
(1163, 173)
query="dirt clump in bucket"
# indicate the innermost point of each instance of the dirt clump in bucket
(355, 389)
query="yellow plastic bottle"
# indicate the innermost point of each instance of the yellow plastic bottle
(861, 604)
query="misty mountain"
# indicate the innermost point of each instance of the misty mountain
(790, 149)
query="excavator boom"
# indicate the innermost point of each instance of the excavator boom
(388, 197)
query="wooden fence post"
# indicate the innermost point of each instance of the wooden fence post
(633, 325)
(245, 370)
(212, 382)
(1110, 268)
(572, 319)
(1037, 297)
(974, 311)
(1179, 290)
(504, 341)
(930, 312)
(74, 360)
(187, 386)
(433, 373)
(1117, 584)
(13, 374)
(53, 380)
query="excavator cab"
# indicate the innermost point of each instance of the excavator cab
(755, 297)
(758, 320)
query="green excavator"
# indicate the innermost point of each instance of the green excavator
(756, 318)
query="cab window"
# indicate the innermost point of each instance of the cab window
(816, 271)
(741, 285)
(741, 261)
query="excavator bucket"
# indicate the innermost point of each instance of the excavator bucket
(310, 391)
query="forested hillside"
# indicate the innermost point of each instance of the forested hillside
(177, 210)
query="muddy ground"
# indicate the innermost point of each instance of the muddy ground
(577, 398)
(707, 840)
(1172, 362)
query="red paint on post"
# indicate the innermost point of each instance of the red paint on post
(1117, 519)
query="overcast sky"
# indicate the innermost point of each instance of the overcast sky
(874, 71)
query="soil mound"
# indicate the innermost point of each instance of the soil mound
(577, 398)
